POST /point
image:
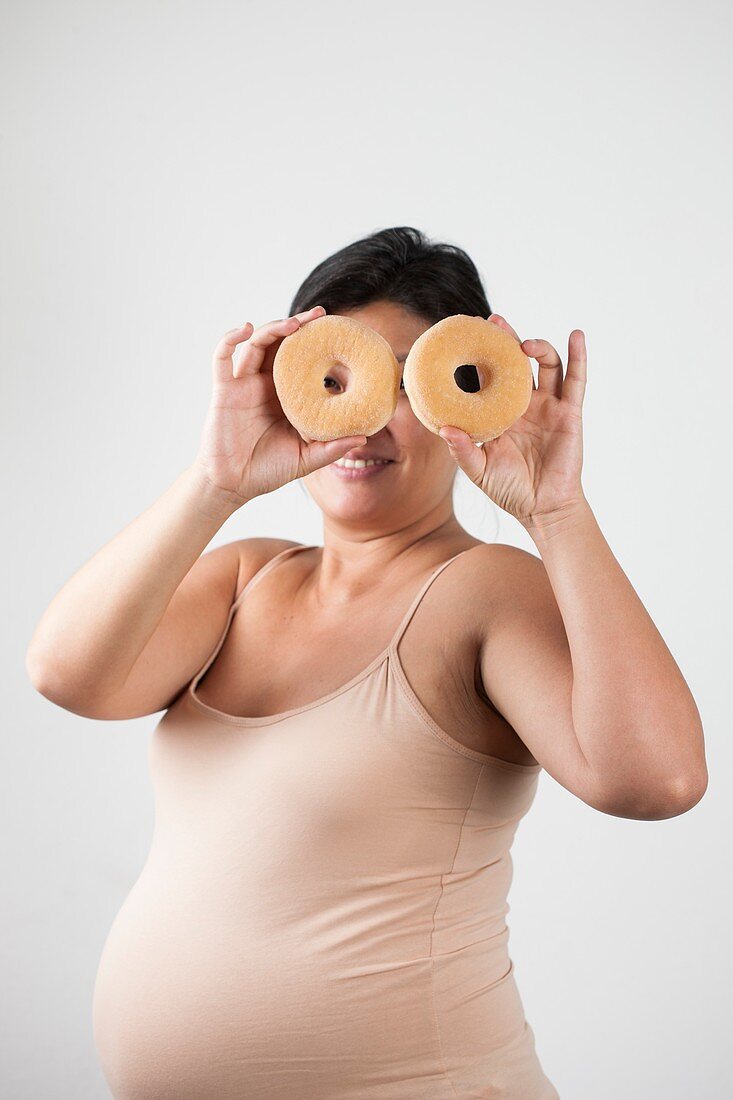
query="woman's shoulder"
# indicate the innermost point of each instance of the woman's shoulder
(498, 555)
(265, 544)
(255, 553)
(492, 576)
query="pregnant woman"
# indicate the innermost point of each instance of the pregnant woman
(353, 731)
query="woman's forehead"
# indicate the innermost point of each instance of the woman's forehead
(399, 327)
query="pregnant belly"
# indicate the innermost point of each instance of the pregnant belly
(192, 1002)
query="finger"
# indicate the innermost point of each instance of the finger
(470, 458)
(267, 347)
(224, 351)
(310, 314)
(259, 353)
(549, 374)
(573, 389)
(316, 454)
(263, 338)
(502, 323)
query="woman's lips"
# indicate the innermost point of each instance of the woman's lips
(358, 473)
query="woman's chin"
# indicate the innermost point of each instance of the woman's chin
(345, 498)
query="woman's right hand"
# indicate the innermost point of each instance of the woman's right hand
(248, 447)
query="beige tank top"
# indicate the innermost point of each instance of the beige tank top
(321, 915)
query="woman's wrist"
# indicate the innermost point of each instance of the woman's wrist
(213, 502)
(542, 527)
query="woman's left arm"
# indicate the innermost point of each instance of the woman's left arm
(637, 732)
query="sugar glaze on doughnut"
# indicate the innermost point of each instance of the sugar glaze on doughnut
(447, 362)
(336, 377)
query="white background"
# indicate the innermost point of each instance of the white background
(170, 170)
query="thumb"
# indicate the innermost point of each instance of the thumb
(470, 458)
(317, 454)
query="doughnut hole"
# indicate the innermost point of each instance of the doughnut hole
(468, 373)
(471, 377)
(337, 378)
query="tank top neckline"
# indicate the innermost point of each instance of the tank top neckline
(389, 652)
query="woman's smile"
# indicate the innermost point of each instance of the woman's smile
(360, 468)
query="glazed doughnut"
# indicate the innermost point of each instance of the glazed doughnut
(468, 373)
(336, 377)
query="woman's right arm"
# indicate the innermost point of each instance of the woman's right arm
(134, 624)
(149, 582)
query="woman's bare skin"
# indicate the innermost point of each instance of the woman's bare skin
(317, 653)
(550, 658)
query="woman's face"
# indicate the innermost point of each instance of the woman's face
(419, 476)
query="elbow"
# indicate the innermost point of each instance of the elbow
(671, 800)
(41, 674)
(35, 670)
(687, 792)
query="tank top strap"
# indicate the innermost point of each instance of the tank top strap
(397, 636)
(270, 564)
(193, 684)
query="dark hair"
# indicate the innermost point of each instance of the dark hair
(431, 279)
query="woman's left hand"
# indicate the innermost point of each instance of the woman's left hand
(532, 470)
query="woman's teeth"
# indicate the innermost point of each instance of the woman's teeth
(357, 463)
